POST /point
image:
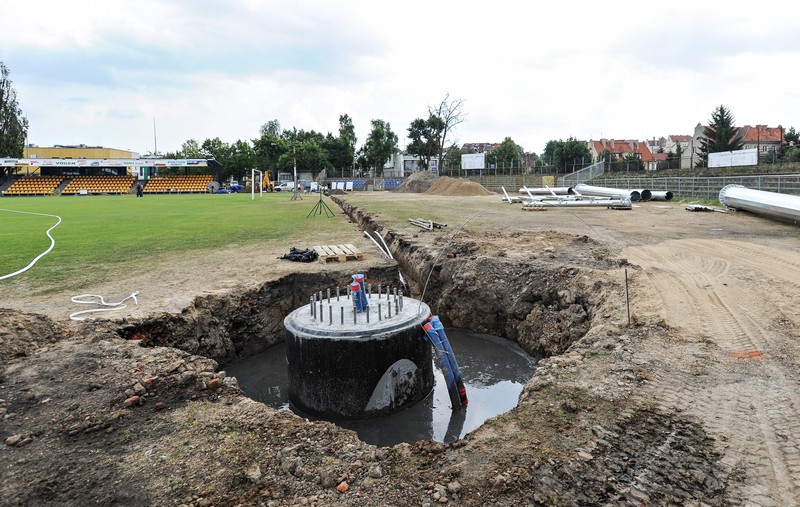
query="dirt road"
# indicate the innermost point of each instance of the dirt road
(735, 365)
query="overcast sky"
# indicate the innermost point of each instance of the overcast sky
(104, 72)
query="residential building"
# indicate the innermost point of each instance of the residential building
(401, 165)
(767, 140)
(623, 148)
(478, 147)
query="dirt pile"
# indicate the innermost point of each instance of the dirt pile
(418, 182)
(446, 185)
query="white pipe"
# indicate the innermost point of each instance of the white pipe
(782, 206)
(376, 244)
(633, 195)
(547, 190)
(399, 273)
(587, 203)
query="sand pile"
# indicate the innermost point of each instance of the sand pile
(446, 185)
(428, 183)
(418, 182)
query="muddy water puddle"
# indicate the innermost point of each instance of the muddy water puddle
(493, 369)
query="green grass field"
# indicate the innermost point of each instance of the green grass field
(108, 235)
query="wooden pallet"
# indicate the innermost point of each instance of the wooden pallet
(338, 253)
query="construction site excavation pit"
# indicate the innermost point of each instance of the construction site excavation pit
(376, 374)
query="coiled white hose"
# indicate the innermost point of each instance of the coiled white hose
(94, 299)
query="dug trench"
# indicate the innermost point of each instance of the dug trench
(142, 413)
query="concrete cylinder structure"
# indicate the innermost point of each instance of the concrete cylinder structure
(346, 363)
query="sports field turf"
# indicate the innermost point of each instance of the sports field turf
(108, 235)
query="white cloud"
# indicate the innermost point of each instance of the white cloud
(98, 72)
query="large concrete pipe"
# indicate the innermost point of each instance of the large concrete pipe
(780, 206)
(619, 193)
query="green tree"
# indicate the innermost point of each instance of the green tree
(569, 155)
(424, 135)
(241, 159)
(791, 137)
(341, 150)
(631, 162)
(380, 145)
(189, 149)
(219, 151)
(269, 147)
(452, 162)
(507, 156)
(720, 135)
(13, 125)
(304, 151)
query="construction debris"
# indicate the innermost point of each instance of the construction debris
(700, 208)
(426, 224)
(338, 253)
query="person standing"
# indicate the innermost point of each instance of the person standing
(139, 190)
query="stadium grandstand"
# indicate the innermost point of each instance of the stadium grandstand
(191, 183)
(44, 174)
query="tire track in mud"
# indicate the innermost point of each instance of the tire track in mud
(735, 369)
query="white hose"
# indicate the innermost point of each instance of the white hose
(52, 242)
(387, 254)
(98, 300)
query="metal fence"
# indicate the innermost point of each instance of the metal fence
(585, 174)
(707, 188)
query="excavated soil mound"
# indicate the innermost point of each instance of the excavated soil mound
(418, 182)
(446, 185)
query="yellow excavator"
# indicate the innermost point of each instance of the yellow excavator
(267, 185)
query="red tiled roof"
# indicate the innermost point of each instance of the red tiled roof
(760, 133)
(622, 148)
